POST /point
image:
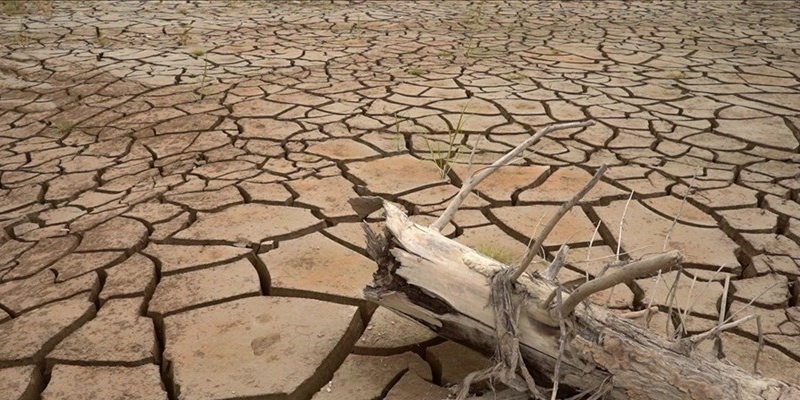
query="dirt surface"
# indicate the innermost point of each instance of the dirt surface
(174, 179)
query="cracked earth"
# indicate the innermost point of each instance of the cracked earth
(174, 179)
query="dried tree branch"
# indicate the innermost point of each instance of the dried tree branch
(482, 173)
(558, 262)
(638, 314)
(533, 250)
(663, 262)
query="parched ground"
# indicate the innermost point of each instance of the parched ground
(174, 180)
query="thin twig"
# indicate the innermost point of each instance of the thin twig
(719, 328)
(610, 295)
(760, 343)
(480, 175)
(750, 303)
(688, 309)
(622, 223)
(652, 298)
(680, 209)
(591, 241)
(663, 262)
(612, 256)
(724, 304)
(472, 154)
(601, 389)
(670, 300)
(726, 324)
(533, 250)
(683, 314)
(638, 314)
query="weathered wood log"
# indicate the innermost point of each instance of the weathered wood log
(446, 286)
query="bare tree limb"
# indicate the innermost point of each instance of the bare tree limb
(531, 253)
(628, 273)
(558, 262)
(482, 173)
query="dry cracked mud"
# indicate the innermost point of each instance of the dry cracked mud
(174, 180)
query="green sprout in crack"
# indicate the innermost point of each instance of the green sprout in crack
(444, 156)
(99, 38)
(416, 71)
(184, 37)
(474, 22)
(676, 75)
(198, 52)
(516, 76)
(200, 92)
(64, 127)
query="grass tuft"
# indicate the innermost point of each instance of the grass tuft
(496, 252)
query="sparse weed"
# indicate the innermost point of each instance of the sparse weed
(44, 7)
(198, 52)
(203, 79)
(99, 38)
(184, 37)
(515, 76)
(676, 75)
(443, 156)
(474, 22)
(21, 7)
(64, 127)
(22, 38)
(496, 252)
(13, 7)
(416, 71)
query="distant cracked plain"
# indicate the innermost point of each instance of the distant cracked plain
(174, 179)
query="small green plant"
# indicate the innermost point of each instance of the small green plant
(99, 38)
(203, 78)
(515, 76)
(198, 52)
(443, 156)
(184, 37)
(64, 127)
(496, 252)
(22, 38)
(676, 75)
(13, 7)
(474, 23)
(20, 7)
(416, 71)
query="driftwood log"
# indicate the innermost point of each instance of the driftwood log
(448, 287)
